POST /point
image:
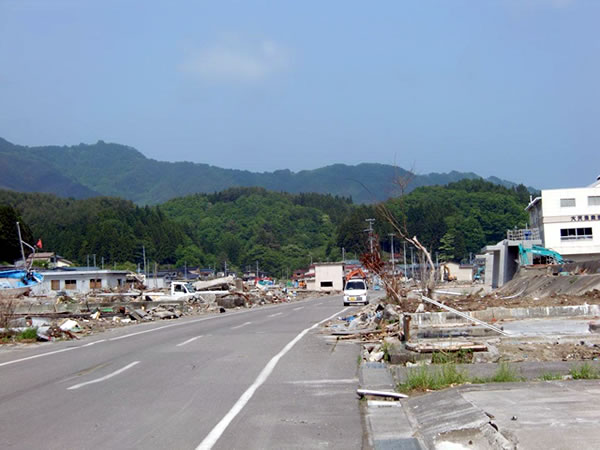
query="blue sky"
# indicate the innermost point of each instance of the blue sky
(507, 88)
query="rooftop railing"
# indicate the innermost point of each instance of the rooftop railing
(528, 234)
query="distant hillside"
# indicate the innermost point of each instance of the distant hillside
(84, 171)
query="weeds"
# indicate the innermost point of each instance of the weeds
(505, 374)
(423, 379)
(463, 356)
(584, 372)
(549, 376)
(28, 334)
(385, 348)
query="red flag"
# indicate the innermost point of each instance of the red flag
(39, 243)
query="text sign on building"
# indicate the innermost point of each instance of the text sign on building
(585, 218)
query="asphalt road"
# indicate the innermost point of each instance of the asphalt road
(247, 379)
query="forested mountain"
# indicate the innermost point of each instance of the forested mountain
(454, 220)
(115, 170)
(240, 225)
(107, 227)
(243, 225)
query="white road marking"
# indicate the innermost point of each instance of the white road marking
(240, 326)
(106, 377)
(188, 341)
(298, 308)
(211, 439)
(40, 355)
(275, 315)
(92, 343)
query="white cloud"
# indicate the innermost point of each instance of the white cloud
(234, 60)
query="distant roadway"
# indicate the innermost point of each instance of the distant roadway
(263, 378)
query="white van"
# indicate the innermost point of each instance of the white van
(355, 291)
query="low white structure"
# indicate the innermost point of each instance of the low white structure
(79, 281)
(569, 221)
(329, 276)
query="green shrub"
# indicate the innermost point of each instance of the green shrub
(29, 333)
(584, 372)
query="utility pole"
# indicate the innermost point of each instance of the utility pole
(144, 254)
(391, 235)
(404, 243)
(21, 244)
(94, 255)
(103, 263)
(370, 230)
(87, 261)
(412, 262)
(184, 268)
(343, 254)
(256, 278)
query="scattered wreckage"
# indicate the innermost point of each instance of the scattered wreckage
(66, 317)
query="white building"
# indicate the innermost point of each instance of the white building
(569, 221)
(79, 281)
(329, 276)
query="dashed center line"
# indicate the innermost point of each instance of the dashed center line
(298, 308)
(240, 326)
(105, 377)
(276, 314)
(188, 341)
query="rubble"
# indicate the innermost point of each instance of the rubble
(69, 316)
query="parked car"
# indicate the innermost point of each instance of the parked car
(355, 291)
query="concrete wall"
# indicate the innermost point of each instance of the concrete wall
(501, 262)
(158, 283)
(329, 273)
(583, 215)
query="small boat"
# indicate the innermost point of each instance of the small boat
(18, 282)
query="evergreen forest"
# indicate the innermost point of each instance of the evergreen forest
(239, 226)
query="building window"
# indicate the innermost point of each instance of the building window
(575, 234)
(55, 285)
(95, 284)
(119, 282)
(567, 202)
(326, 283)
(70, 285)
(594, 200)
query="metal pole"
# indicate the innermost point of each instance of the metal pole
(412, 262)
(87, 258)
(466, 316)
(343, 254)
(144, 254)
(21, 244)
(404, 243)
(103, 263)
(393, 268)
(94, 260)
(370, 230)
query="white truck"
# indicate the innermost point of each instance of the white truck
(179, 290)
(355, 291)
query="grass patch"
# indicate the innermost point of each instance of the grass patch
(385, 348)
(549, 376)
(505, 374)
(422, 379)
(463, 356)
(584, 372)
(28, 334)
